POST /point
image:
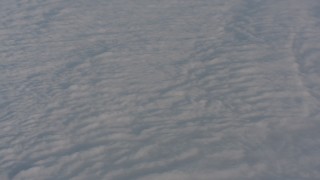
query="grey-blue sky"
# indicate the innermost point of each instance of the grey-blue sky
(168, 89)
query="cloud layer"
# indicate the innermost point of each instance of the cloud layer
(171, 89)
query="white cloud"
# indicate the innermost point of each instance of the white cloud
(174, 90)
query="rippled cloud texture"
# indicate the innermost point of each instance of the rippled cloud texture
(160, 90)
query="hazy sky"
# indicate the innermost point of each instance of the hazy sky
(160, 89)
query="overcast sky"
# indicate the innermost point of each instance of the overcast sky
(160, 89)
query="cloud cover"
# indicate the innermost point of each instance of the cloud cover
(168, 89)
